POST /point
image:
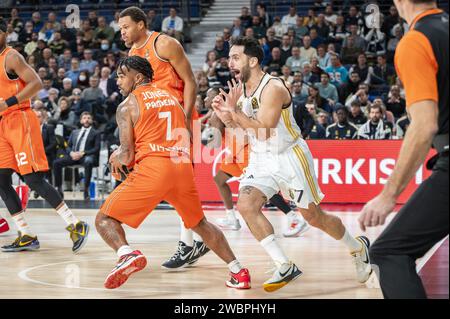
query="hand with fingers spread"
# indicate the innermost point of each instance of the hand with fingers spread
(376, 211)
(232, 97)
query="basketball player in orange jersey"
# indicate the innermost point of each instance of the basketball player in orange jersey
(173, 73)
(22, 149)
(154, 136)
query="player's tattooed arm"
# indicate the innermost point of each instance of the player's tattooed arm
(126, 116)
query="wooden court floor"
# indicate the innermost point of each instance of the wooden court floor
(54, 272)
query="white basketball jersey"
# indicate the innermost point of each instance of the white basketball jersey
(287, 132)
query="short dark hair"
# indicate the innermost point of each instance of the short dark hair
(375, 106)
(3, 25)
(86, 113)
(136, 14)
(252, 48)
(138, 64)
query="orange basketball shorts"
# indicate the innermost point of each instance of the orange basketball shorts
(235, 165)
(153, 180)
(21, 145)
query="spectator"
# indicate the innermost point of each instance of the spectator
(317, 100)
(317, 132)
(103, 32)
(50, 103)
(359, 41)
(338, 73)
(11, 35)
(356, 115)
(74, 71)
(93, 19)
(315, 68)
(26, 34)
(299, 93)
(60, 75)
(303, 119)
(375, 128)
(105, 80)
(300, 29)
(31, 60)
(258, 29)
(87, 31)
(323, 119)
(16, 22)
(286, 75)
(393, 43)
(221, 49)
(295, 61)
(353, 18)
(323, 56)
(52, 18)
(48, 138)
(84, 149)
(350, 51)
(307, 52)
(387, 115)
(362, 97)
(342, 129)
(154, 22)
(46, 33)
(43, 73)
(311, 19)
(65, 116)
(327, 90)
(227, 36)
(401, 126)
(383, 74)
(330, 16)
(275, 63)
(68, 34)
(173, 25)
(31, 46)
(323, 30)
(290, 19)
(88, 63)
(363, 69)
(83, 80)
(280, 29)
(316, 40)
(350, 88)
(264, 16)
(67, 87)
(46, 86)
(395, 103)
(286, 48)
(57, 45)
(222, 72)
(94, 98)
(211, 58)
(115, 22)
(37, 22)
(249, 33)
(246, 18)
(338, 32)
(237, 30)
(272, 42)
(308, 76)
(390, 20)
(376, 43)
(202, 87)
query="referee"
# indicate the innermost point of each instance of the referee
(422, 64)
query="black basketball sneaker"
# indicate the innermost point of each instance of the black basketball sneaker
(200, 250)
(22, 243)
(181, 257)
(78, 234)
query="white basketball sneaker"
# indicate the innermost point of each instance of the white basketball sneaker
(296, 226)
(361, 260)
(229, 223)
(282, 276)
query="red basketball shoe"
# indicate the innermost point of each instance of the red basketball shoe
(127, 265)
(4, 227)
(241, 280)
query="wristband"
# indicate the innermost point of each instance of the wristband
(12, 101)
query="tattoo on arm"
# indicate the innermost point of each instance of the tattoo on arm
(126, 132)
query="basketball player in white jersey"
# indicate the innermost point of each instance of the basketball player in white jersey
(280, 160)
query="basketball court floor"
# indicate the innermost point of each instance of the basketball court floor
(54, 272)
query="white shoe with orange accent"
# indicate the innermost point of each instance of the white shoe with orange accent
(241, 280)
(296, 226)
(127, 265)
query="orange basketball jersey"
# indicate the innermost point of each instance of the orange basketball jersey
(165, 75)
(10, 87)
(161, 128)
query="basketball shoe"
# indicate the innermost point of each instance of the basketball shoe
(181, 258)
(4, 227)
(361, 260)
(241, 280)
(281, 277)
(78, 234)
(296, 226)
(22, 243)
(200, 250)
(127, 265)
(229, 223)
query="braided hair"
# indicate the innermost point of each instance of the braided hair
(138, 64)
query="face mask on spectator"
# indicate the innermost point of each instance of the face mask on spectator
(82, 78)
(105, 47)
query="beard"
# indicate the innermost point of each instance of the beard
(245, 73)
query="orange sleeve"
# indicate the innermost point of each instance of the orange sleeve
(417, 67)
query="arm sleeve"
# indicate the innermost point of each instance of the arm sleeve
(417, 67)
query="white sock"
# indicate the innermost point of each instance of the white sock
(351, 242)
(235, 266)
(273, 249)
(187, 236)
(197, 237)
(231, 213)
(124, 250)
(22, 224)
(67, 215)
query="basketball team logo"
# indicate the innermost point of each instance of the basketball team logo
(255, 104)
